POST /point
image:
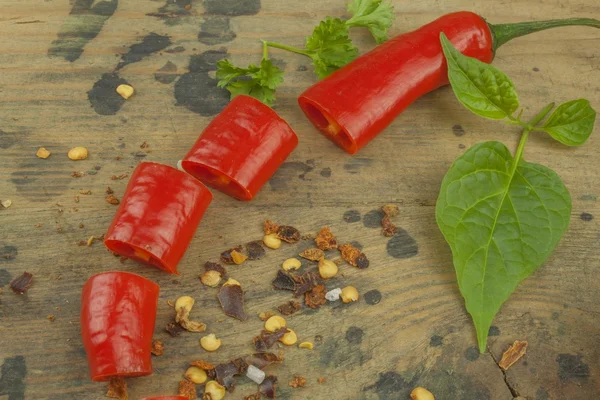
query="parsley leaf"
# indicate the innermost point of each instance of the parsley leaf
(259, 82)
(376, 15)
(330, 46)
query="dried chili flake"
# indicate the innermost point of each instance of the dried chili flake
(288, 234)
(391, 210)
(255, 250)
(187, 389)
(267, 339)
(174, 329)
(109, 190)
(76, 198)
(77, 174)
(224, 374)
(51, 317)
(263, 360)
(82, 243)
(85, 192)
(268, 387)
(353, 256)
(315, 298)
(313, 254)
(158, 348)
(298, 381)
(289, 308)
(325, 240)
(112, 199)
(388, 228)
(321, 379)
(205, 365)
(270, 227)
(21, 283)
(305, 282)
(284, 281)
(307, 236)
(119, 177)
(117, 388)
(227, 257)
(513, 354)
(265, 315)
(231, 298)
(255, 396)
(144, 145)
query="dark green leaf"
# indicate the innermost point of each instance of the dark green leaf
(376, 15)
(572, 122)
(501, 224)
(482, 88)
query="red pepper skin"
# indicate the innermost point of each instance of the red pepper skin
(158, 216)
(365, 96)
(166, 398)
(118, 311)
(241, 148)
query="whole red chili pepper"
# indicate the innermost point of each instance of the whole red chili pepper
(355, 103)
(118, 310)
(241, 148)
(158, 216)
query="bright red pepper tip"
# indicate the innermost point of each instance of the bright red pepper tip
(158, 216)
(118, 311)
(241, 148)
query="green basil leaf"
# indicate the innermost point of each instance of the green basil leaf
(482, 88)
(501, 224)
(572, 122)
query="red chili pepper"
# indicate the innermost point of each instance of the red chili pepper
(241, 148)
(158, 216)
(118, 310)
(166, 398)
(355, 103)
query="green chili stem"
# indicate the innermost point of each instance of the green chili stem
(288, 48)
(529, 126)
(503, 33)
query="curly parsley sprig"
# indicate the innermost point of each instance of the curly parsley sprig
(329, 47)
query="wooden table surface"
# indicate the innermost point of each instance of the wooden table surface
(409, 328)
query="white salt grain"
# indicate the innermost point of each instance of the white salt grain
(255, 374)
(334, 294)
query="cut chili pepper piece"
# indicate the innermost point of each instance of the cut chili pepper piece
(241, 148)
(355, 103)
(158, 216)
(118, 310)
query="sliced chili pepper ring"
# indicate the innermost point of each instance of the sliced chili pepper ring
(241, 148)
(118, 311)
(158, 216)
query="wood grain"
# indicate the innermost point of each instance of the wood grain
(417, 333)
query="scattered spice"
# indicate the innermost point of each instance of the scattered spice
(255, 396)
(109, 190)
(305, 282)
(111, 199)
(77, 174)
(255, 250)
(420, 393)
(126, 91)
(224, 373)
(211, 266)
(289, 308)
(288, 234)
(238, 258)
(353, 256)
(270, 227)
(80, 226)
(38, 225)
(21, 283)
(268, 386)
(144, 145)
(187, 389)
(174, 329)
(231, 297)
(283, 281)
(210, 342)
(210, 278)
(117, 388)
(321, 379)
(227, 256)
(42, 153)
(391, 210)
(59, 229)
(183, 307)
(76, 198)
(325, 240)
(85, 192)
(388, 228)
(267, 339)
(272, 241)
(313, 254)
(119, 177)
(263, 360)
(51, 317)
(265, 315)
(203, 365)
(291, 264)
(306, 345)
(213, 391)
(513, 354)
(315, 298)
(158, 348)
(90, 241)
(298, 381)
(78, 153)
(6, 203)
